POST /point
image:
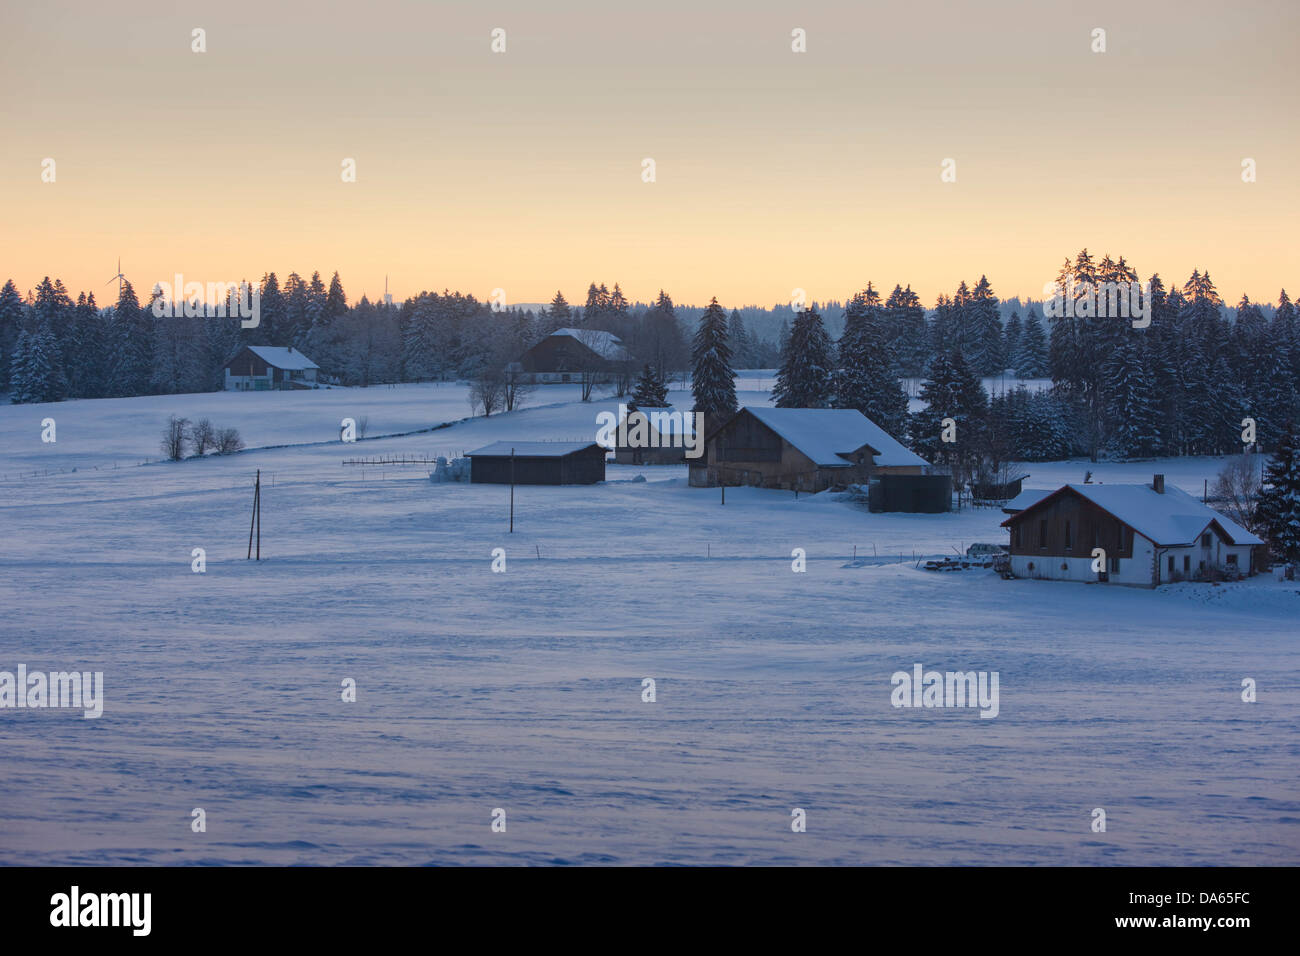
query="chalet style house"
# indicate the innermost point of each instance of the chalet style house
(259, 368)
(569, 355)
(804, 449)
(1151, 534)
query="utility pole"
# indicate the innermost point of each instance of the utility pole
(512, 491)
(255, 521)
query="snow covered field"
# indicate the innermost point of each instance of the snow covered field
(523, 690)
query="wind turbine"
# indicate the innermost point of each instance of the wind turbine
(119, 277)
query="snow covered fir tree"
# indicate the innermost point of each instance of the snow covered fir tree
(713, 380)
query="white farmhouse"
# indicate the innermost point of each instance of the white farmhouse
(263, 367)
(1146, 535)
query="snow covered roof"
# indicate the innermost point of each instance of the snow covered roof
(605, 344)
(826, 434)
(1171, 518)
(533, 449)
(280, 357)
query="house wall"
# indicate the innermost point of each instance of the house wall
(1088, 527)
(1191, 560)
(1136, 567)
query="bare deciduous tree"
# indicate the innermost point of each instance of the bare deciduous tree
(175, 437)
(1237, 489)
(487, 392)
(228, 441)
(203, 436)
(516, 385)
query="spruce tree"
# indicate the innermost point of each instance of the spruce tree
(133, 346)
(1278, 507)
(1131, 401)
(1011, 340)
(713, 380)
(804, 378)
(738, 338)
(19, 392)
(11, 324)
(866, 376)
(951, 390)
(336, 301)
(1030, 360)
(984, 331)
(650, 391)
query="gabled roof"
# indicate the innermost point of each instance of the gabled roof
(1168, 519)
(533, 449)
(284, 358)
(825, 435)
(605, 344)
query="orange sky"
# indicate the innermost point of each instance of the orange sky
(775, 170)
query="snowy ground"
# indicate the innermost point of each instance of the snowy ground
(522, 690)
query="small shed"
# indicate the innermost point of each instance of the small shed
(918, 494)
(538, 463)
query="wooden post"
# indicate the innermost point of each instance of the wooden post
(512, 491)
(723, 484)
(258, 507)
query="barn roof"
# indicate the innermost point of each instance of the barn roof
(826, 434)
(284, 358)
(1170, 518)
(605, 344)
(533, 449)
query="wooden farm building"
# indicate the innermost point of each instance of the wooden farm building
(538, 463)
(655, 436)
(264, 367)
(569, 355)
(1151, 534)
(804, 449)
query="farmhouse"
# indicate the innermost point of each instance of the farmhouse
(538, 463)
(804, 449)
(567, 355)
(1151, 534)
(263, 367)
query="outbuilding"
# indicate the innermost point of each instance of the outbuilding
(538, 463)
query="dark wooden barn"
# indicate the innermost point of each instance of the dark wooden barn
(806, 449)
(538, 463)
(570, 355)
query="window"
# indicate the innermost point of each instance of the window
(1171, 564)
(1187, 563)
(1068, 541)
(1114, 565)
(1232, 560)
(1042, 534)
(1205, 540)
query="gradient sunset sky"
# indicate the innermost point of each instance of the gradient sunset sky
(775, 170)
